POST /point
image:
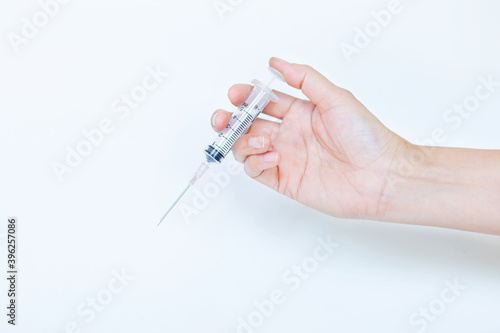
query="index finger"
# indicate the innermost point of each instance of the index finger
(239, 93)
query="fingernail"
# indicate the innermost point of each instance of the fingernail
(256, 142)
(270, 157)
(213, 118)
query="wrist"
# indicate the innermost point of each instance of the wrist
(410, 175)
(446, 187)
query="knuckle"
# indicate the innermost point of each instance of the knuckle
(239, 158)
(308, 68)
(250, 169)
(346, 93)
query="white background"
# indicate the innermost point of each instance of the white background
(203, 275)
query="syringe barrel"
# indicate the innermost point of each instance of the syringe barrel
(241, 120)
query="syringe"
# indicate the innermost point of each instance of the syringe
(241, 120)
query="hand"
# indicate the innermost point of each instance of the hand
(329, 152)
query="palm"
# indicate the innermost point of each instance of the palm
(336, 147)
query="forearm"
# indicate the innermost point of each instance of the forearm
(445, 187)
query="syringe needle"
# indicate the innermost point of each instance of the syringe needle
(173, 205)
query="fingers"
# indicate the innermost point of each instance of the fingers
(255, 151)
(239, 92)
(252, 149)
(315, 86)
(250, 144)
(220, 118)
(258, 140)
(255, 165)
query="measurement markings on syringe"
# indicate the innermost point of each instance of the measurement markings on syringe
(217, 145)
(236, 133)
(238, 125)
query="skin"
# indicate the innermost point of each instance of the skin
(332, 154)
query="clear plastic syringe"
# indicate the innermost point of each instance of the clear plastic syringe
(241, 120)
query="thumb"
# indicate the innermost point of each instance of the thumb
(315, 86)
